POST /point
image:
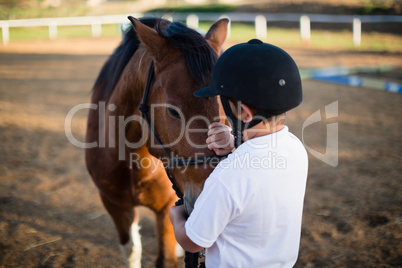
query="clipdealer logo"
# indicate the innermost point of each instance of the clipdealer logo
(121, 143)
(331, 150)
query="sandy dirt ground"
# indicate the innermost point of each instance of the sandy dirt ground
(50, 211)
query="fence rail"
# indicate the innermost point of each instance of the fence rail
(260, 21)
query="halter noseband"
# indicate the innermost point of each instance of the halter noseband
(173, 161)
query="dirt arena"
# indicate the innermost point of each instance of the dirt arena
(51, 214)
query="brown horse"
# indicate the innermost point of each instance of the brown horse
(124, 161)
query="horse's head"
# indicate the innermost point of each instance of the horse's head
(183, 62)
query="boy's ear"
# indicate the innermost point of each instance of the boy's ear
(246, 113)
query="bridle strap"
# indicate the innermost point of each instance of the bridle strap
(239, 126)
(174, 162)
(144, 108)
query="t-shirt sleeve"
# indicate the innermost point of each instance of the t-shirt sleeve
(213, 210)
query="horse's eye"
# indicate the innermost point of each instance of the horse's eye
(173, 112)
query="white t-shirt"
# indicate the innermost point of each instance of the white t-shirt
(249, 213)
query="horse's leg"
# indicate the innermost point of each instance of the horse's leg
(166, 239)
(126, 222)
(132, 250)
(159, 196)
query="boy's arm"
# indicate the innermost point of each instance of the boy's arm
(220, 139)
(178, 219)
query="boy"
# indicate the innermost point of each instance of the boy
(250, 210)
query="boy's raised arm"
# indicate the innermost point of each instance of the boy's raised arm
(178, 219)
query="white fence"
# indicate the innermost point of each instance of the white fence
(260, 21)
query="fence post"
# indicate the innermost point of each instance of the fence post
(96, 29)
(52, 30)
(5, 33)
(305, 31)
(357, 32)
(261, 27)
(192, 21)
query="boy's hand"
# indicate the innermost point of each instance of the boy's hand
(177, 215)
(220, 139)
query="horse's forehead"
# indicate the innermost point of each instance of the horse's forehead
(175, 64)
(176, 77)
(179, 86)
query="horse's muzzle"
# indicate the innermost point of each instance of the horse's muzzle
(188, 205)
(191, 193)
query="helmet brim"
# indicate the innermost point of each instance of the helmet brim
(206, 92)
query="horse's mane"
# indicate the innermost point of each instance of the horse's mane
(200, 57)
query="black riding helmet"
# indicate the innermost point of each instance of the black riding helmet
(256, 73)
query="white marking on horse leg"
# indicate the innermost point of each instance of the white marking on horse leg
(179, 251)
(132, 250)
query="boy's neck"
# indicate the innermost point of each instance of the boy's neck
(261, 129)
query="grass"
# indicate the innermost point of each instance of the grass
(79, 9)
(240, 32)
(320, 39)
(35, 10)
(20, 13)
(42, 33)
(25, 9)
(215, 8)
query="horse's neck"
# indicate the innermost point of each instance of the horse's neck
(126, 99)
(129, 91)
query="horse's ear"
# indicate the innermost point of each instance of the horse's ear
(217, 34)
(152, 40)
